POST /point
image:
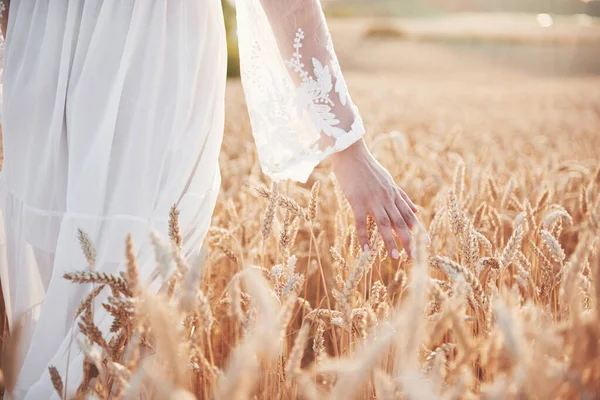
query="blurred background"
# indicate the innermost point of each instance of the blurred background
(432, 7)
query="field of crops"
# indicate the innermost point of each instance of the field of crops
(502, 157)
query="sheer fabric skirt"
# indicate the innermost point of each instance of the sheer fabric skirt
(113, 112)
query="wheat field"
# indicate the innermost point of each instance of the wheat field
(504, 302)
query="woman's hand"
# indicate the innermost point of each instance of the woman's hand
(371, 190)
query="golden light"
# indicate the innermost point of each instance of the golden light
(544, 20)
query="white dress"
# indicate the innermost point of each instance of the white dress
(113, 112)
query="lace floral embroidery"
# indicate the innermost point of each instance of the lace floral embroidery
(340, 84)
(313, 93)
(299, 104)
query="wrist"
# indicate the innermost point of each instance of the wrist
(354, 152)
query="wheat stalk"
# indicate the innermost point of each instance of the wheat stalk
(314, 199)
(556, 250)
(456, 216)
(87, 247)
(174, 228)
(293, 369)
(132, 271)
(87, 300)
(116, 283)
(513, 245)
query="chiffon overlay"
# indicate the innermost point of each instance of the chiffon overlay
(112, 112)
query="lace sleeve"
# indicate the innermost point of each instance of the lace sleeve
(297, 98)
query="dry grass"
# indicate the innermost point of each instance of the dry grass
(504, 303)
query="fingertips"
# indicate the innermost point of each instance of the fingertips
(390, 244)
(427, 238)
(410, 220)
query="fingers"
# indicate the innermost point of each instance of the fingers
(385, 225)
(396, 214)
(409, 217)
(407, 213)
(408, 201)
(360, 218)
(400, 226)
